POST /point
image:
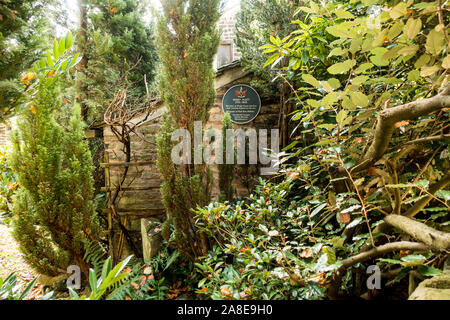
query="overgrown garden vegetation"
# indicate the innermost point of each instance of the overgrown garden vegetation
(365, 101)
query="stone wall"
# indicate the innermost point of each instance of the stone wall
(245, 175)
(145, 200)
(143, 177)
(228, 51)
(4, 140)
(141, 197)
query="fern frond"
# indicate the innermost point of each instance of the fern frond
(95, 254)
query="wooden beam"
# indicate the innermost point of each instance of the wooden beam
(137, 212)
(93, 133)
(126, 164)
(106, 189)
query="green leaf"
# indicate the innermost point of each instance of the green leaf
(377, 58)
(49, 59)
(395, 30)
(354, 223)
(446, 62)
(342, 67)
(172, 259)
(28, 289)
(42, 64)
(75, 60)
(55, 50)
(64, 65)
(326, 86)
(414, 75)
(311, 80)
(359, 99)
(337, 242)
(391, 53)
(331, 254)
(272, 59)
(318, 209)
(413, 260)
(398, 11)
(412, 28)
(348, 104)
(400, 185)
(359, 80)
(410, 50)
(435, 42)
(423, 60)
(92, 280)
(428, 271)
(307, 10)
(428, 71)
(443, 194)
(331, 98)
(337, 52)
(343, 14)
(328, 126)
(62, 46)
(391, 261)
(73, 294)
(305, 56)
(341, 116)
(107, 266)
(334, 83)
(364, 67)
(69, 40)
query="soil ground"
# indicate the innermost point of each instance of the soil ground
(11, 260)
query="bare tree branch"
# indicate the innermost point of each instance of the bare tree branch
(334, 287)
(386, 248)
(428, 139)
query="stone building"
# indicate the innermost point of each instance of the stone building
(5, 129)
(4, 135)
(228, 51)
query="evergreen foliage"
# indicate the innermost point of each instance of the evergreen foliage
(113, 39)
(187, 39)
(226, 171)
(257, 22)
(53, 213)
(24, 33)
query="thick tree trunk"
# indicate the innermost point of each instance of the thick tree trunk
(420, 231)
(389, 117)
(333, 289)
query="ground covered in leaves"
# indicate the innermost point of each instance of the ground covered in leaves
(11, 260)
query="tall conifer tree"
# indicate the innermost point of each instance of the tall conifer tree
(188, 39)
(53, 213)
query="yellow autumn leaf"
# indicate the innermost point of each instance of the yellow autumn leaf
(428, 71)
(28, 76)
(446, 62)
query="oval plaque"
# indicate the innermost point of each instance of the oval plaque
(242, 102)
